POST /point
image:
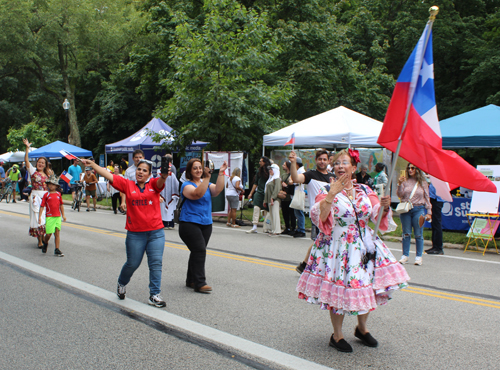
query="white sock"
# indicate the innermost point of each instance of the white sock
(254, 227)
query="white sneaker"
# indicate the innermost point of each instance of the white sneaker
(251, 231)
(418, 261)
(403, 260)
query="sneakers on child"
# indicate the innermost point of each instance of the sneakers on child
(121, 290)
(418, 261)
(403, 259)
(157, 301)
(44, 247)
(58, 253)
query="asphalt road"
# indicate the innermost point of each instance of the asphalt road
(62, 313)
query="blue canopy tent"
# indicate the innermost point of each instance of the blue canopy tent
(479, 128)
(141, 139)
(52, 150)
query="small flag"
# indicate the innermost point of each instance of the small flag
(291, 139)
(66, 177)
(67, 155)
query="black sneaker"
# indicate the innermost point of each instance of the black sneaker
(121, 290)
(88, 210)
(300, 267)
(286, 232)
(44, 247)
(298, 234)
(58, 253)
(435, 251)
(157, 301)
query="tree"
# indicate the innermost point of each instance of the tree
(60, 41)
(220, 93)
(35, 132)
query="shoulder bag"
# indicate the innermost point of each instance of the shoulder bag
(405, 207)
(178, 209)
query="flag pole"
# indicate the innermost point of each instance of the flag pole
(433, 10)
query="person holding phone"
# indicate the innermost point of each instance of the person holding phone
(412, 187)
(144, 226)
(195, 219)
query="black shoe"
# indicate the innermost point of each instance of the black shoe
(300, 267)
(298, 234)
(367, 338)
(434, 251)
(341, 345)
(115, 211)
(44, 247)
(428, 250)
(58, 253)
(286, 232)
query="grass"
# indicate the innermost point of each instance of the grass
(105, 202)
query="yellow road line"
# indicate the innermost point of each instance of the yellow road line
(284, 266)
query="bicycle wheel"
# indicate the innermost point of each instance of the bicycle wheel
(79, 200)
(8, 196)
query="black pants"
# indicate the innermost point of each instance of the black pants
(288, 215)
(196, 238)
(437, 225)
(115, 201)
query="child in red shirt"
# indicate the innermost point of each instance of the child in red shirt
(53, 201)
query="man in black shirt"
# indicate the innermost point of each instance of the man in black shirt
(320, 175)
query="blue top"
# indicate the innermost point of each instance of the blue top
(2, 172)
(74, 171)
(433, 195)
(197, 211)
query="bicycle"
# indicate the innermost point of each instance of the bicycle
(78, 196)
(6, 191)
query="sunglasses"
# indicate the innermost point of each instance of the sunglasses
(412, 168)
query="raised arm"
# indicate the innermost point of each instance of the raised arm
(100, 170)
(297, 178)
(26, 158)
(219, 186)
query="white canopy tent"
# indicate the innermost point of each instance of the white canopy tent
(339, 127)
(14, 156)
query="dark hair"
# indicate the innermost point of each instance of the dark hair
(123, 164)
(263, 171)
(138, 151)
(189, 167)
(419, 176)
(379, 167)
(111, 161)
(148, 163)
(288, 164)
(46, 169)
(320, 152)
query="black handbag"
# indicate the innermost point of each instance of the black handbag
(178, 209)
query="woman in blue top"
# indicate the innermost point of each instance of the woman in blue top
(195, 220)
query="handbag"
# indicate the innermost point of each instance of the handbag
(282, 194)
(298, 199)
(178, 209)
(405, 207)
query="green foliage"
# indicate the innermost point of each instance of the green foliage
(220, 92)
(36, 132)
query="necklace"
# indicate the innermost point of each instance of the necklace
(351, 194)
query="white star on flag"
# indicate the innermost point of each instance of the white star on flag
(427, 72)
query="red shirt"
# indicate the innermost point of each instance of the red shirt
(52, 202)
(143, 205)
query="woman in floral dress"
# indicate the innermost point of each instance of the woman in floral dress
(348, 272)
(39, 176)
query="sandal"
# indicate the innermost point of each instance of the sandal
(228, 224)
(235, 225)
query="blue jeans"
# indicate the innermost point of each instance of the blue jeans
(301, 220)
(409, 220)
(151, 242)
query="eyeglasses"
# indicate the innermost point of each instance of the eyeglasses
(343, 163)
(412, 168)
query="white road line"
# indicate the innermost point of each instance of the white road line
(197, 329)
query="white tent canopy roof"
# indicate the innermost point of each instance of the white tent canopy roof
(337, 127)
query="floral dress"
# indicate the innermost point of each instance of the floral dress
(337, 276)
(39, 186)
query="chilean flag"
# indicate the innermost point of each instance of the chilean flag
(422, 143)
(291, 139)
(66, 177)
(67, 155)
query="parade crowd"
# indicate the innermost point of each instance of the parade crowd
(347, 270)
